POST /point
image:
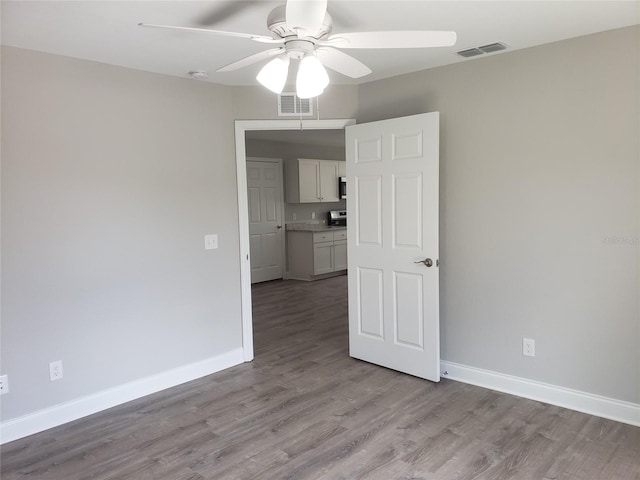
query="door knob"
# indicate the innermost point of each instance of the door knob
(278, 227)
(427, 262)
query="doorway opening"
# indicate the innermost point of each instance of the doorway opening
(241, 129)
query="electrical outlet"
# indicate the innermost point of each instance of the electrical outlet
(528, 347)
(4, 384)
(295, 217)
(55, 370)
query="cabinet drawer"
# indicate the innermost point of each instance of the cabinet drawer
(323, 237)
(340, 235)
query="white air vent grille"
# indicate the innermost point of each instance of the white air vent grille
(490, 48)
(493, 47)
(289, 105)
(470, 52)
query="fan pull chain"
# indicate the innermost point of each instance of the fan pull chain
(300, 113)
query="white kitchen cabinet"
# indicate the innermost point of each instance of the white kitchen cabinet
(308, 182)
(340, 250)
(329, 181)
(312, 254)
(323, 258)
(340, 255)
(313, 181)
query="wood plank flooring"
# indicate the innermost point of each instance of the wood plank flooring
(304, 410)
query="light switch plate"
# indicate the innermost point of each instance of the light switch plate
(211, 242)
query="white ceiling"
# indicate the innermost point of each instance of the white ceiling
(108, 32)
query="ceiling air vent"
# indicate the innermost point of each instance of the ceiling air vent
(493, 47)
(289, 105)
(490, 48)
(470, 52)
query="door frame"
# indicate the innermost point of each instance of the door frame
(280, 162)
(241, 127)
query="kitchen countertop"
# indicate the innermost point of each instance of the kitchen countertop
(311, 227)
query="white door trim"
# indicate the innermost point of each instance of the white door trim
(241, 127)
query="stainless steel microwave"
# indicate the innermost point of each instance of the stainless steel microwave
(342, 187)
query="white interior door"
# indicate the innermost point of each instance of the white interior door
(392, 180)
(264, 195)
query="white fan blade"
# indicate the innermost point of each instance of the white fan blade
(251, 59)
(257, 38)
(342, 63)
(399, 39)
(306, 15)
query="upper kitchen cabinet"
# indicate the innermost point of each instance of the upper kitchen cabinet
(313, 181)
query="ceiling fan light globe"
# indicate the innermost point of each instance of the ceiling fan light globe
(304, 95)
(312, 77)
(274, 74)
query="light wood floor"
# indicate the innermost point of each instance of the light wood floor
(304, 410)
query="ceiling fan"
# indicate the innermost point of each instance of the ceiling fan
(301, 29)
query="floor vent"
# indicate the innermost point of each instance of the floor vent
(490, 48)
(289, 105)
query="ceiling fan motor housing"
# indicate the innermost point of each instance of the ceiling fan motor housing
(277, 25)
(299, 48)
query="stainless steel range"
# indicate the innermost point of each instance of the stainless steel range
(337, 218)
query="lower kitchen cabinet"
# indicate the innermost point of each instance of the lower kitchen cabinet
(312, 255)
(323, 258)
(340, 255)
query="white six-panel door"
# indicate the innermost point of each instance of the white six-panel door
(264, 195)
(392, 184)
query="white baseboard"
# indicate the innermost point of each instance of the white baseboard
(597, 405)
(66, 412)
(41, 420)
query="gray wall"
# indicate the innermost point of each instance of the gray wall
(110, 180)
(539, 207)
(111, 177)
